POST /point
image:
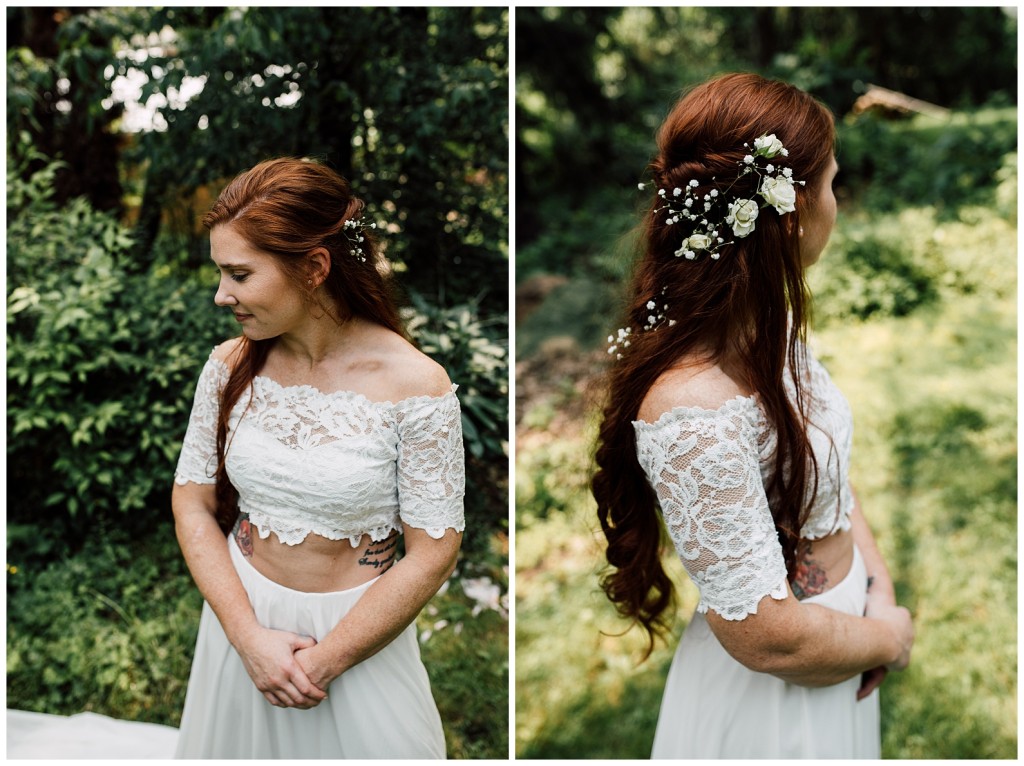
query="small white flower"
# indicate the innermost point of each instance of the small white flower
(784, 152)
(650, 304)
(640, 187)
(694, 184)
(611, 349)
(676, 192)
(716, 256)
(671, 323)
(625, 344)
(661, 192)
(714, 192)
(748, 159)
(787, 172)
(688, 202)
(690, 255)
(611, 339)
(651, 319)
(770, 168)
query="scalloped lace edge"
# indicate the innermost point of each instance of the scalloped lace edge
(741, 612)
(295, 535)
(741, 403)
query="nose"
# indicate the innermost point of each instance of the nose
(224, 296)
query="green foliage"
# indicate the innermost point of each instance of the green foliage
(101, 361)
(109, 630)
(474, 351)
(925, 162)
(409, 103)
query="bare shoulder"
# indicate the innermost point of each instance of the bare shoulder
(403, 370)
(227, 351)
(704, 386)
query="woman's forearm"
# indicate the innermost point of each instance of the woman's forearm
(879, 579)
(811, 645)
(205, 549)
(387, 607)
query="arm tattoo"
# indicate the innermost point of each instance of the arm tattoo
(810, 578)
(243, 535)
(380, 555)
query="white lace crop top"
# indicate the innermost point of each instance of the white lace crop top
(336, 464)
(709, 469)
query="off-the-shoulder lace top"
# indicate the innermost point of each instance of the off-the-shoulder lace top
(709, 469)
(337, 464)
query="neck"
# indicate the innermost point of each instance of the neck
(318, 339)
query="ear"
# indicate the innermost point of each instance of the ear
(319, 265)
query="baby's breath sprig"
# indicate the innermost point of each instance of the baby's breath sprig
(353, 230)
(712, 212)
(620, 341)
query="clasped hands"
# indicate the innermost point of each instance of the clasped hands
(883, 607)
(285, 667)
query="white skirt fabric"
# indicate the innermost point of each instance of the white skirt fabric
(714, 707)
(381, 708)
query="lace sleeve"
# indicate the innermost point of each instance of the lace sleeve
(704, 467)
(431, 464)
(198, 459)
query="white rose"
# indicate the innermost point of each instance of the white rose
(768, 146)
(699, 242)
(742, 214)
(779, 193)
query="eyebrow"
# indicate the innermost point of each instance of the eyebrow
(226, 266)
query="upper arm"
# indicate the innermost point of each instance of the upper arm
(437, 554)
(431, 464)
(195, 473)
(704, 468)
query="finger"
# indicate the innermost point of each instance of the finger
(302, 642)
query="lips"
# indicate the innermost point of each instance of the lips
(242, 317)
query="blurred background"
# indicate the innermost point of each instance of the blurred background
(915, 316)
(123, 124)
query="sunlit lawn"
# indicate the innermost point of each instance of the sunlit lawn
(934, 401)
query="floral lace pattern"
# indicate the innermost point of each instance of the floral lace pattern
(708, 469)
(335, 464)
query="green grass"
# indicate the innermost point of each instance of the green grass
(922, 340)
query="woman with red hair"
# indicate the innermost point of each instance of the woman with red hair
(720, 417)
(318, 439)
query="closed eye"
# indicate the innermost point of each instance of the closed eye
(239, 277)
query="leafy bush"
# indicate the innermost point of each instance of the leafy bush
(109, 630)
(474, 351)
(925, 162)
(101, 362)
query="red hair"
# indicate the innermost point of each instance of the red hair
(288, 208)
(753, 300)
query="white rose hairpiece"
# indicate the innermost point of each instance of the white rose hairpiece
(712, 212)
(353, 231)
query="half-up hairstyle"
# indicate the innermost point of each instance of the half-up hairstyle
(752, 301)
(287, 208)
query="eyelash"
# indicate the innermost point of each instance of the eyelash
(239, 277)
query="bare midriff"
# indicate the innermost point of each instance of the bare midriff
(822, 564)
(316, 565)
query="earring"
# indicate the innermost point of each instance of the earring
(801, 231)
(310, 281)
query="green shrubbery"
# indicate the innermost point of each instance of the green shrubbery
(102, 358)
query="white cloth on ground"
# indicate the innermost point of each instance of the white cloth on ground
(86, 736)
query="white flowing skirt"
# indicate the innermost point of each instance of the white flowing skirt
(381, 708)
(714, 707)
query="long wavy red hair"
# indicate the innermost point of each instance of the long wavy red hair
(752, 301)
(288, 208)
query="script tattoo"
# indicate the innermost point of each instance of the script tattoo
(243, 535)
(810, 578)
(381, 555)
